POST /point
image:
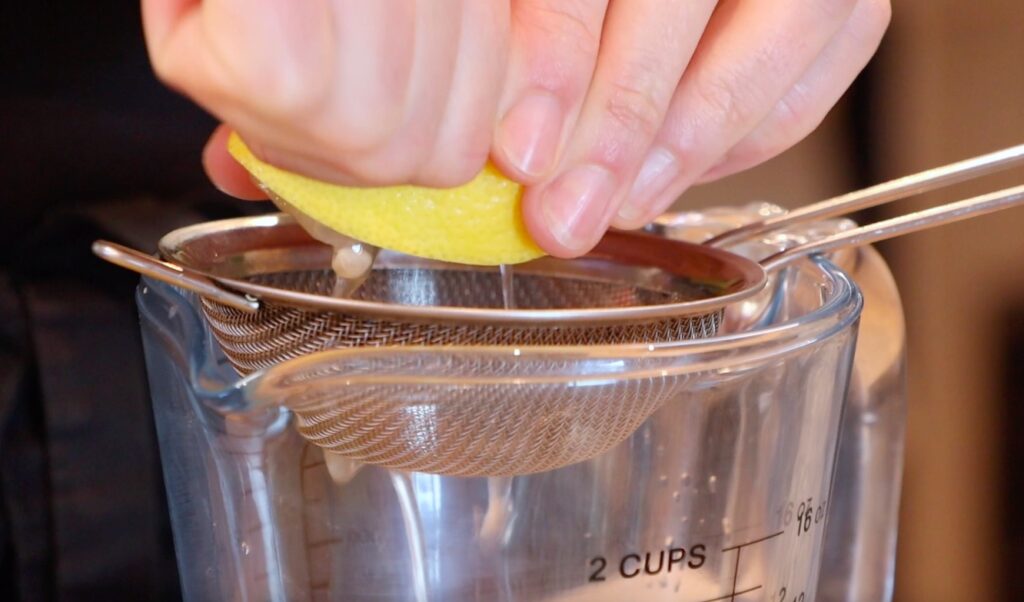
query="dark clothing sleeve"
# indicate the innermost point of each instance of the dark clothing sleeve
(93, 146)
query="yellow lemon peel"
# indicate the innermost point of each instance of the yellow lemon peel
(478, 223)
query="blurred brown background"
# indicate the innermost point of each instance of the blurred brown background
(90, 135)
(947, 84)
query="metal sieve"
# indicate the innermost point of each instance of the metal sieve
(265, 289)
(633, 288)
(481, 414)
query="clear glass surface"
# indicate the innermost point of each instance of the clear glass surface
(729, 490)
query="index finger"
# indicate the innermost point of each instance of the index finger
(161, 17)
(227, 174)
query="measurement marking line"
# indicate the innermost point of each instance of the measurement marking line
(322, 543)
(734, 594)
(750, 543)
(736, 574)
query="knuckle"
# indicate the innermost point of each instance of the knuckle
(791, 121)
(385, 166)
(382, 171)
(836, 8)
(281, 93)
(348, 132)
(173, 72)
(634, 108)
(164, 69)
(569, 21)
(271, 87)
(338, 161)
(792, 111)
(353, 136)
(722, 94)
(445, 176)
(758, 149)
(453, 169)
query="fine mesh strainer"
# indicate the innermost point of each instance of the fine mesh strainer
(627, 291)
(480, 414)
(264, 286)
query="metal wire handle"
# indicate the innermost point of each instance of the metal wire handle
(904, 224)
(173, 274)
(879, 194)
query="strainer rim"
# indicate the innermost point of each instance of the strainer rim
(755, 276)
(841, 310)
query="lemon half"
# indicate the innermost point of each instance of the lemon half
(478, 223)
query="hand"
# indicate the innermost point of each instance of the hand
(607, 110)
(351, 91)
(681, 93)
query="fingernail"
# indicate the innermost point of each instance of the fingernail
(659, 170)
(574, 205)
(530, 132)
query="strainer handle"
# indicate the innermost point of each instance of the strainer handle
(170, 273)
(879, 194)
(904, 224)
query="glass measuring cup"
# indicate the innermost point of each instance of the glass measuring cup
(725, 492)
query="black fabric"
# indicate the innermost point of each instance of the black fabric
(26, 557)
(92, 146)
(82, 506)
(80, 483)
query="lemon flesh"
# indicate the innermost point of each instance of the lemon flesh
(478, 223)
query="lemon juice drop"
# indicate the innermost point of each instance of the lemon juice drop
(351, 259)
(507, 286)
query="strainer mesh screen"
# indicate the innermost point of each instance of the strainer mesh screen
(463, 423)
(277, 333)
(511, 428)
